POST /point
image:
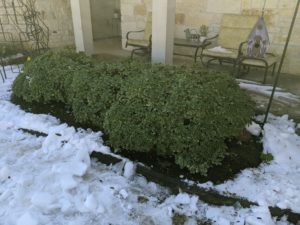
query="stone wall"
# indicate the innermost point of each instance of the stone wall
(133, 15)
(56, 14)
(194, 13)
(105, 18)
(58, 17)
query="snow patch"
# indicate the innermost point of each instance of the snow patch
(267, 90)
(254, 129)
(129, 170)
(124, 193)
(220, 49)
(27, 219)
(4, 173)
(182, 198)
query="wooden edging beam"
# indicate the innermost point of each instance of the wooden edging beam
(206, 195)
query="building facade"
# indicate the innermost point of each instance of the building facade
(194, 13)
(70, 21)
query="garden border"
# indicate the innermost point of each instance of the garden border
(176, 185)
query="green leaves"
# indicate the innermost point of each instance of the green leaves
(184, 112)
(94, 90)
(49, 76)
(266, 157)
(187, 113)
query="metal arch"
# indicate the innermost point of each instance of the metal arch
(24, 17)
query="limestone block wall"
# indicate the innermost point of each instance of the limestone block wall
(56, 14)
(7, 32)
(194, 13)
(58, 17)
(133, 15)
(105, 18)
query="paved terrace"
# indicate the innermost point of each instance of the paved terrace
(286, 102)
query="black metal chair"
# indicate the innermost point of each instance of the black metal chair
(268, 61)
(143, 44)
(233, 30)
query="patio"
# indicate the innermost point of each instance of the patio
(111, 50)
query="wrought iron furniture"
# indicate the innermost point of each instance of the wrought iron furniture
(244, 61)
(143, 43)
(191, 44)
(30, 34)
(233, 47)
(256, 54)
(234, 30)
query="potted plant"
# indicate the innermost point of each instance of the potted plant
(203, 32)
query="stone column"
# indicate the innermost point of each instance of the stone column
(82, 24)
(163, 28)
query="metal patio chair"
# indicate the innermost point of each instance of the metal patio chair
(234, 30)
(245, 62)
(256, 54)
(141, 43)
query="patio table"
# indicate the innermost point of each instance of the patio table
(191, 44)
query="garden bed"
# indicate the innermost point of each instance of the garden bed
(152, 174)
(242, 154)
(175, 184)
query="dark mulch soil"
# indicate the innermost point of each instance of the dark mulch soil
(241, 154)
(58, 110)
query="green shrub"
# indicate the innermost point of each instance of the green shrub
(138, 110)
(187, 113)
(266, 157)
(20, 85)
(47, 78)
(93, 90)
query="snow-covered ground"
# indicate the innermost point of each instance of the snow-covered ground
(52, 180)
(266, 90)
(276, 183)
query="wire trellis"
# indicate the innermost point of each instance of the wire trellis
(22, 30)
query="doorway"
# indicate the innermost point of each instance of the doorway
(106, 19)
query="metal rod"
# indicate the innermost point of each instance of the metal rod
(282, 60)
(263, 9)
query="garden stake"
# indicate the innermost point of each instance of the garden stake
(281, 61)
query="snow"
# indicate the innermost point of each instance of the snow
(219, 49)
(53, 180)
(129, 170)
(262, 216)
(123, 193)
(276, 183)
(27, 219)
(182, 198)
(254, 129)
(267, 90)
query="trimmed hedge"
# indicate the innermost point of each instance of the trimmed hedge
(86, 86)
(93, 90)
(48, 77)
(187, 113)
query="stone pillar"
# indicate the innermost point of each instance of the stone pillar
(82, 24)
(163, 28)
